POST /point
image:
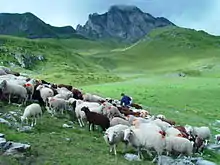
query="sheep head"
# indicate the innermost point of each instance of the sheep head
(111, 136)
(127, 134)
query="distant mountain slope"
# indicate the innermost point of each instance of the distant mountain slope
(125, 23)
(164, 49)
(30, 26)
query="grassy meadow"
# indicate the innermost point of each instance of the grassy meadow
(147, 71)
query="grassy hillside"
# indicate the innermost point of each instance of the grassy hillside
(148, 66)
(165, 49)
(62, 59)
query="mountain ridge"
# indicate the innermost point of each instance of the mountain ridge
(123, 22)
(30, 26)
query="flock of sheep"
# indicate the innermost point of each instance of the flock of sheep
(135, 127)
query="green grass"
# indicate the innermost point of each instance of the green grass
(147, 70)
(165, 50)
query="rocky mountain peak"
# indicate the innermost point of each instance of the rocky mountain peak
(121, 22)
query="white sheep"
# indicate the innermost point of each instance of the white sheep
(148, 126)
(147, 140)
(202, 132)
(80, 115)
(58, 104)
(136, 120)
(92, 98)
(114, 135)
(118, 120)
(64, 93)
(45, 93)
(178, 145)
(30, 87)
(163, 125)
(173, 132)
(111, 111)
(32, 110)
(14, 89)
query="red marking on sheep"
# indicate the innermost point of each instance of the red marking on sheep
(52, 99)
(162, 133)
(180, 135)
(28, 85)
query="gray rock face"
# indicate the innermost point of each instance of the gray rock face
(125, 23)
(27, 60)
(20, 57)
(30, 26)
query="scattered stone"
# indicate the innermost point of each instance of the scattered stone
(3, 121)
(166, 160)
(67, 126)
(15, 148)
(24, 129)
(70, 123)
(216, 123)
(131, 157)
(52, 133)
(68, 139)
(201, 161)
(2, 135)
(9, 117)
(213, 147)
(2, 142)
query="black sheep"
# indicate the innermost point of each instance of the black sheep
(96, 119)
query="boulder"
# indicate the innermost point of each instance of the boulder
(13, 148)
(3, 121)
(24, 129)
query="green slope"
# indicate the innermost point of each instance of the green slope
(165, 49)
(62, 59)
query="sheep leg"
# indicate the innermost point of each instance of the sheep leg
(149, 153)
(9, 99)
(89, 126)
(35, 119)
(114, 146)
(93, 127)
(32, 122)
(25, 100)
(154, 160)
(26, 121)
(179, 156)
(159, 160)
(80, 122)
(111, 148)
(139, 153)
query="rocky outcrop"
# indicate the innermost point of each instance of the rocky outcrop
(124, 23)
(30, 26)
(20, 57)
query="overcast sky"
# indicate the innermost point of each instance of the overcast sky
(197, 14)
